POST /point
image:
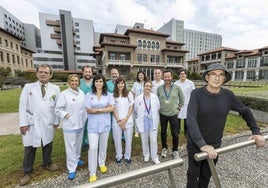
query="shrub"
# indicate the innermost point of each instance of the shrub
(254, 103)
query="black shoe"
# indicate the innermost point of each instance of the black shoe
(128, 162)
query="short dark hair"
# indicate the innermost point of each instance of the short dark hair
(168, 70)
(182, 70)
(87, 66)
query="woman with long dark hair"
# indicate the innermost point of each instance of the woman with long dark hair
(98, 105)
(122, 120)
(137, 89)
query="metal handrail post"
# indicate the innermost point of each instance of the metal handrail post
(203, 155)
(171, 178)
(214, 173)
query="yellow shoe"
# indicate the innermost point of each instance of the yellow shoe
(103, 169)
(92, 179)
(136, 135)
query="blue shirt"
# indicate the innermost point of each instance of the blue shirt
(98, 123)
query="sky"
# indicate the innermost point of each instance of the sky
(243, 24)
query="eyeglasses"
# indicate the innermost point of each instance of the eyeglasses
(214, 75)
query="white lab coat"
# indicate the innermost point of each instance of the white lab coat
(71, 102)
(187, 87)
(39, 113)
(139, 108)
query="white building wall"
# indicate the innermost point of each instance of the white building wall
(86, 38)
(48, 44)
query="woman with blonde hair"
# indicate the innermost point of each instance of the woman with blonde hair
(70, 108)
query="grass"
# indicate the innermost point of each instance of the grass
(11, 148)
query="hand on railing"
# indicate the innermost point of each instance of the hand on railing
(212, 153)
(259, 140)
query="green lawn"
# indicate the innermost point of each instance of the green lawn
(11, 148)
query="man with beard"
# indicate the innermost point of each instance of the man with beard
(86, 86)
(171, 100)
(110, 84)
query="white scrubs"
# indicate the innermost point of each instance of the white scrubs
(72, 103)
(122, 105)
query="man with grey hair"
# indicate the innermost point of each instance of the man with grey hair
(37, 120)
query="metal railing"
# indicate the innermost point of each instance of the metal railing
(203, 155)
(139, 173)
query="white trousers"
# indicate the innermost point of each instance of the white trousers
(145, 138)
(73, 143)
(97, 150)
(117, 135)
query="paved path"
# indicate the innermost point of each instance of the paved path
(9, 123)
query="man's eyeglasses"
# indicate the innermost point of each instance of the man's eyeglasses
(214, 75)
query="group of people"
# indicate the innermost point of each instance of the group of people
(90, 108)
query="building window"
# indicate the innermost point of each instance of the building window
(240, 63)
(152, 58)
(264, 61)
(76, 30)
(251, 74)
(0, 40)
(122, 42)
(157, 45)
(8, 60)
(144, 57)
(239, 75)
(230, 64)
(149, 44)
(139, 43)
(6, 42)
(122, 57)
(157, 58)
(153, 45)
(18, 60)
(263, 74)
(76, 24)
(144, 44)
(252, 62)
(112, 56)
(11, 45)
(1, 56)
(112, 41)
(13, 59)
(139, 58)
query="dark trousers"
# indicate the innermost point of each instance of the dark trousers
(29, 157)
(198, 173)
(174, 129)
(185, 126)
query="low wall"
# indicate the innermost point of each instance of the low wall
(259, 115)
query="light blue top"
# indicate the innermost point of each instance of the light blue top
(98, 123)
(84, 87)
(110, 86)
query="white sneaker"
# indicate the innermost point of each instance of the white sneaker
(146, 159)
(175, 154)
(156, 162)
(164, 152)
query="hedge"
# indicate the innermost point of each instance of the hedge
(254, 103)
